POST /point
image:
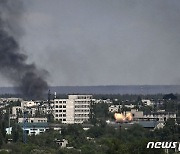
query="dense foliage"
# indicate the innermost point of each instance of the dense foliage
(101, 138)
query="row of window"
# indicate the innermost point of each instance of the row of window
(60, 106)
(82, 102)
(60, 110)
(81, 106)
(84, 97)
(79, 120)
(61, 102)
(81, 110)
(60, 115)
(34, 129)
(42, 120)
(81, 115)
(60, 119)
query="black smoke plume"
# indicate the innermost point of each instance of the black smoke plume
(13, 62)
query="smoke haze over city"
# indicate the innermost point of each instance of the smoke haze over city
(13, 62)
(101, 42)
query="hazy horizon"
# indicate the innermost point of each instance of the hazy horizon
(92, 85)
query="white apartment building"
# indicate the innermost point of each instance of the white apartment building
(60, 110)
(75, 109)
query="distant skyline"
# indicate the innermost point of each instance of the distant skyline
(118, 42)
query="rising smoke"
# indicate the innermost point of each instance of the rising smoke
(13, 62)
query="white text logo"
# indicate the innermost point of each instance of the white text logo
(164, 145)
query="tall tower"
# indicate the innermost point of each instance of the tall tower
(24, 127)
(50, 109)
(49, 99)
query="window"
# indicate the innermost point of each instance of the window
(34, 129)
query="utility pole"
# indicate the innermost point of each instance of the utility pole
(9, 122)
(49, 99)
(49, 107)
(24, 127)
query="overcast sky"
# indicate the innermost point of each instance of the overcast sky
(103, 42)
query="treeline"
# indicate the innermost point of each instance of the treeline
(99, 139)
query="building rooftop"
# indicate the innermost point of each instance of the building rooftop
(36, 125)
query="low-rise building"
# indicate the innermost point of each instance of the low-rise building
(33, 120)
(136, 114)
(106, 101)
(161, 116)
(34, 128)
(114, 108)
(147, 102)
(9, 130)
(63, 143)
(25, 104)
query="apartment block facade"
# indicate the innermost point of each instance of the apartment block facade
(75, 109)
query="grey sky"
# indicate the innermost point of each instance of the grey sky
(103, 42)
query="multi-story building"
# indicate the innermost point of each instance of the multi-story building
(60, 110)
(75, 109)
